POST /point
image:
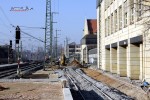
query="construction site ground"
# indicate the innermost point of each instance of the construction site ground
(36, 86)
(121, 84)
(41, 86)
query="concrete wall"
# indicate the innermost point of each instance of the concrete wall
(85, 28)
(83, 53)
(98, 39)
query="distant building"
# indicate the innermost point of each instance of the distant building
(73, 50)
(123, 37)
(89, 40)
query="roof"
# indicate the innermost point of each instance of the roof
(92, 26)
(73, 43)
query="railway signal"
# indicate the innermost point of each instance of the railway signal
(10, 43)
(17, 34)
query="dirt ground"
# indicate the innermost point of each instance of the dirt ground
(136, 92)
(31, 91)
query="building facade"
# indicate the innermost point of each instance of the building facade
(89, 40)
(73, 51)
(123, 37)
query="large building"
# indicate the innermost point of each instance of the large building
(123, 37)
(89, 40)
(73, 51)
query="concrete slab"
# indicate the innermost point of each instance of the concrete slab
(67, 94)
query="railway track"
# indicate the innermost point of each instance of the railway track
(79, 95)
(96, 93)
(89, 89)
(12, 72)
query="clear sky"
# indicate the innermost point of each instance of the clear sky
(70, 20)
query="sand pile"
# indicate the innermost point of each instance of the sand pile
(75, 63)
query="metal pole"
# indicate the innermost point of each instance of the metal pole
(8, 53)
(44, 50)
(18, 69)
(51, 33)
(56, 43)
(15, 53)
(21, 51)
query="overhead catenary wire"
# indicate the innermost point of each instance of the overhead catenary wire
(29, 34)
(5, 15)
(33, 27)
(32, 36)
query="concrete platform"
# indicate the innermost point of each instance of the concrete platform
(29, 90)
(67, 94)
(53, 81)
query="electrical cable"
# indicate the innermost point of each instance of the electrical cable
(33, 27)
(5, 15)
(33, 36)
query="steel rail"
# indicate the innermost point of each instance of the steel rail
(13, 72)
(94, 86)
(75, 86)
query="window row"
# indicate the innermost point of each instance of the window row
(123, 16)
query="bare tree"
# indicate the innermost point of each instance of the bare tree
(143, 18)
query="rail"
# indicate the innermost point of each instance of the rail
(75, 85)
(92, 86)
(11, 73)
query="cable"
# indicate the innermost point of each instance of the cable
(4, 23)
(33, 36)
(5, 34)
(29, 34)
(33, 27)
(5, 15)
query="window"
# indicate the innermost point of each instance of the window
(106, 4)
(132, 15)
(125, 21)
(112, 23)
(120, 17)
(132, 11)
(106, 32)
(115, 21)
(125, 14)
(109, 26)
(139, 9)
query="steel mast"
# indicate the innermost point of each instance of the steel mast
(48, 32)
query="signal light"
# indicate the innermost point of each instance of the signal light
(17, 33)
(10, 43)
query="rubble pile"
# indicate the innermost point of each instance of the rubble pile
(75, 63)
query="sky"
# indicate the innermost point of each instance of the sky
(70, 20)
